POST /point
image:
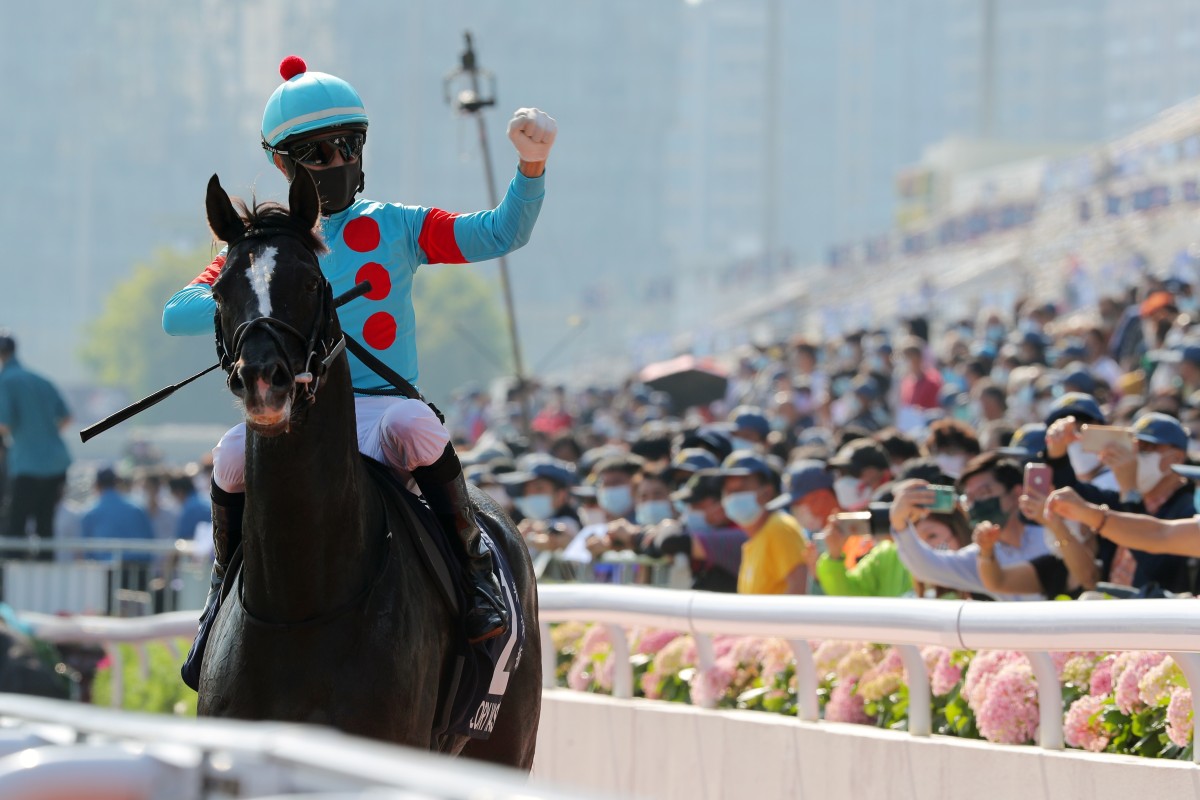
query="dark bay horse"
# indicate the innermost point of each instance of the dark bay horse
(332, 621)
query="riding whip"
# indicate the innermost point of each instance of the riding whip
(162, 394)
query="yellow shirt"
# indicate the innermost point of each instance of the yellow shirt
(770, 555)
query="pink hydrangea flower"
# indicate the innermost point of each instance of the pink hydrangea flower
(884, 678)
(931, 655)
(1078, 670)
(945, 674)
(1156, 685)
(776, 656)
(1100, 684)
(1008, 712)
(595, 641)
(1179, 717)
(604, 673)
(856, 663)
(652, 684)
(1128, 671)
(845, 706)
(578, 677)
(983, 668)
(827, 654)
(709, 685)
(651, 641)
(1078, 728)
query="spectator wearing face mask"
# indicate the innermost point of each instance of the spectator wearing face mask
(992, 487)
(861, 466)
(750, 429)
(541, 491)
(1147, 485)
(1074, 463)
(951, 443)
(688, 462)
(705, 534)
(774, 557)
(808, 496)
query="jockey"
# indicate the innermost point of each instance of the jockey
(317, 122)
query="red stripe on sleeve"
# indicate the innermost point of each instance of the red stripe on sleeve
(211, 272)
(437, 238)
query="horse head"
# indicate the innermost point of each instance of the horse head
(276, 329)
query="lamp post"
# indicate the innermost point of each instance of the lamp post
(471, 100)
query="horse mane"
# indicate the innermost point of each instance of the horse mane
(270, 214)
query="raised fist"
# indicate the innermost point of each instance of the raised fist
(532, 132)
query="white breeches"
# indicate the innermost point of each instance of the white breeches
(398, 431)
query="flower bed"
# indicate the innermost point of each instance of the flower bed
(1131, 703)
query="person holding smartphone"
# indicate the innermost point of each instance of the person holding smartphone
(992, 486)
(1147, 485)
(879, 573)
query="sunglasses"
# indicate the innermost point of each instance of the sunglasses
(319, 152)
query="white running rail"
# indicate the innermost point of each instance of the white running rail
(55, 748)
(1037, 629)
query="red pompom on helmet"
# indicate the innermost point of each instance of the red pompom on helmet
(291, 66)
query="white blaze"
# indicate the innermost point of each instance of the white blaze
(262, 268)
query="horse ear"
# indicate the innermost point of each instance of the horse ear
(303, 201)
(223, 218)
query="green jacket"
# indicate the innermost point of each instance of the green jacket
(877, 574)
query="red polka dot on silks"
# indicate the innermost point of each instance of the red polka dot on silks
(377, 276)
(361, 234)
(379, 331)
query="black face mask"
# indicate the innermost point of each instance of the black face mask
(988, 510)
(337, 186)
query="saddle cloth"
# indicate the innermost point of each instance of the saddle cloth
(479, 674)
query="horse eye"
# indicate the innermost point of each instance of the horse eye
(311, 285)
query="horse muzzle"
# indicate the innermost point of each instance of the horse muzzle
(266, 393)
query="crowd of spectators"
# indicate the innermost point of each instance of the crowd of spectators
(887, 461)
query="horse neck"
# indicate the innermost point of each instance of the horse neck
(310, 539)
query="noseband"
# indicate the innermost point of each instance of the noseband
(316, 363)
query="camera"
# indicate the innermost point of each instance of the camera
(874, 521)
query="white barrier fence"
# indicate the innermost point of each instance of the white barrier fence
(53, 749)
(1037, 629)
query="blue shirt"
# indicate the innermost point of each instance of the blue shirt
(195, 510)
(385, 243)
(32, 409)
(115, 517)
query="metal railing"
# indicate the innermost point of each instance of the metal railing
(124, 577)
(1036, 629)
(54, 748)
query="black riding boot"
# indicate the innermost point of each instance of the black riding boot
(227, 508)
(445, 489)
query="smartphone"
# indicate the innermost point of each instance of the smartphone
(854, 523)
(1094, 438)
(1039, 479)
(875, 521)
(945, 499)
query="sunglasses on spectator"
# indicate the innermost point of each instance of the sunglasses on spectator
(319, 152)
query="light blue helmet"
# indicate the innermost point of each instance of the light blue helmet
(308, 101)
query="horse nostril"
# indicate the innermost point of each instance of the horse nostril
(280, 378)
(236, 382)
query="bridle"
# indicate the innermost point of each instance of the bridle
(320, 346)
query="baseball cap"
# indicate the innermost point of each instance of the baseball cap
(699, 487)
(1158, 428)
(750, 418)
(742, 463)
(693, 459)
(540, 466)
(1075, 404)
(1191, 354)
(802, 479)
(1027, 441)
(1156, 302)
(1079, 380)
(859, 455)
